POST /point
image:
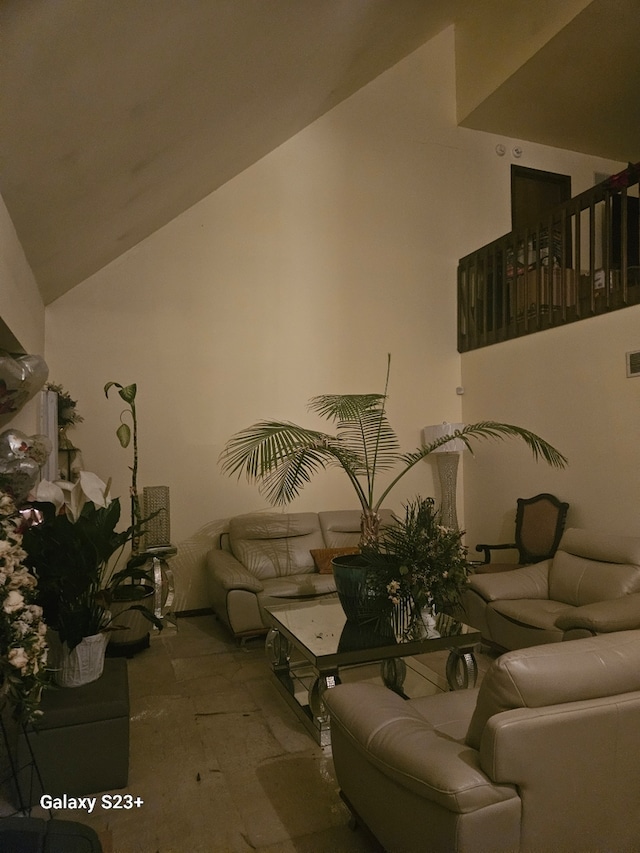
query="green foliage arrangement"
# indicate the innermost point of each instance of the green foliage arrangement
(416, 563)
(68, 414)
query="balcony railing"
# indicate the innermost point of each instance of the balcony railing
(583, 260)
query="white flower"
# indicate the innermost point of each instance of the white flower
(73, 496)
(21, 622)
(22, 578)
(18, 658)
(14, 601)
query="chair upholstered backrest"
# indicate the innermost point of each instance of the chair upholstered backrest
(591, 566)
(539, 524)
(557, 673)
(275, 544)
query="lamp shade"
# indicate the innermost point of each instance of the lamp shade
(435, 431)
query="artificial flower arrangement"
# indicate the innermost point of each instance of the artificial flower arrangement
(418, 563)
(23, 647)
(68, 414)
(71, 553)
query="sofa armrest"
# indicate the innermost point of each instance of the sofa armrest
(230, 573)
(396, 739)
(604, 617)
(525, 582)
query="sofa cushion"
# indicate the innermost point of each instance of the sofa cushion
(275, 544)
(322, 557)
(342, 527)
(297, 586)
(535, 613)
(532, 678)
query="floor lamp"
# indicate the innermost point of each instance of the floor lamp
(447, 457)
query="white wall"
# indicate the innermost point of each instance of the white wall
(570, 386)
(294, 279)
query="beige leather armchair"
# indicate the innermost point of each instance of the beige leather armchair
(590, 586)
(543, 758)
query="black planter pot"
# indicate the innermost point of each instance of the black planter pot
(132, 633)
(357, 636)
(349, 573)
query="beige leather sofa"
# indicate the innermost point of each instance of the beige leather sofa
(591, 586)
(266, 559)
(542, 758)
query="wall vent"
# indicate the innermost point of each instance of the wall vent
(633, 363)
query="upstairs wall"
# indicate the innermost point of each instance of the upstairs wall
(569, 384)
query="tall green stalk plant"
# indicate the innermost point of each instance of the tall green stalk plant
(282, 457)
(125, 433)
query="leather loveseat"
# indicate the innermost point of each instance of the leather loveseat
(590, 586)
(543, 757)
(266, 558)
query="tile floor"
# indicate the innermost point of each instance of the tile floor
(219, 758)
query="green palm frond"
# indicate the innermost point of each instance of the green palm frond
(259, 449)
(540, 448)
(363, 430)
(482, 430)
(496, 430)
(282, 458)
(346, 407)
(285, 482)
(371, 440)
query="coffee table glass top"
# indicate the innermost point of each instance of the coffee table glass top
(320, 629)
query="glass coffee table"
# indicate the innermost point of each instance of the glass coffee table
(309, 641)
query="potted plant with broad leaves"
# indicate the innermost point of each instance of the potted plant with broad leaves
(282, 457)
(70, 552)
(136, 583)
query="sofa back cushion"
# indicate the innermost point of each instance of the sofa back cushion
(557, 673)
(341, 528)
(275, 544)
(590, 566)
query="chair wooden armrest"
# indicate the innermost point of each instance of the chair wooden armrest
(489, 548)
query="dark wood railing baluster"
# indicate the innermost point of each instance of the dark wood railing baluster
(513, 287)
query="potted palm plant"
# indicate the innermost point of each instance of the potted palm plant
(282, 457)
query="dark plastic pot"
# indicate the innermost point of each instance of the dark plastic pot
(349, 573)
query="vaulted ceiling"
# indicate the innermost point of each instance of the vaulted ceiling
(116, 117)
